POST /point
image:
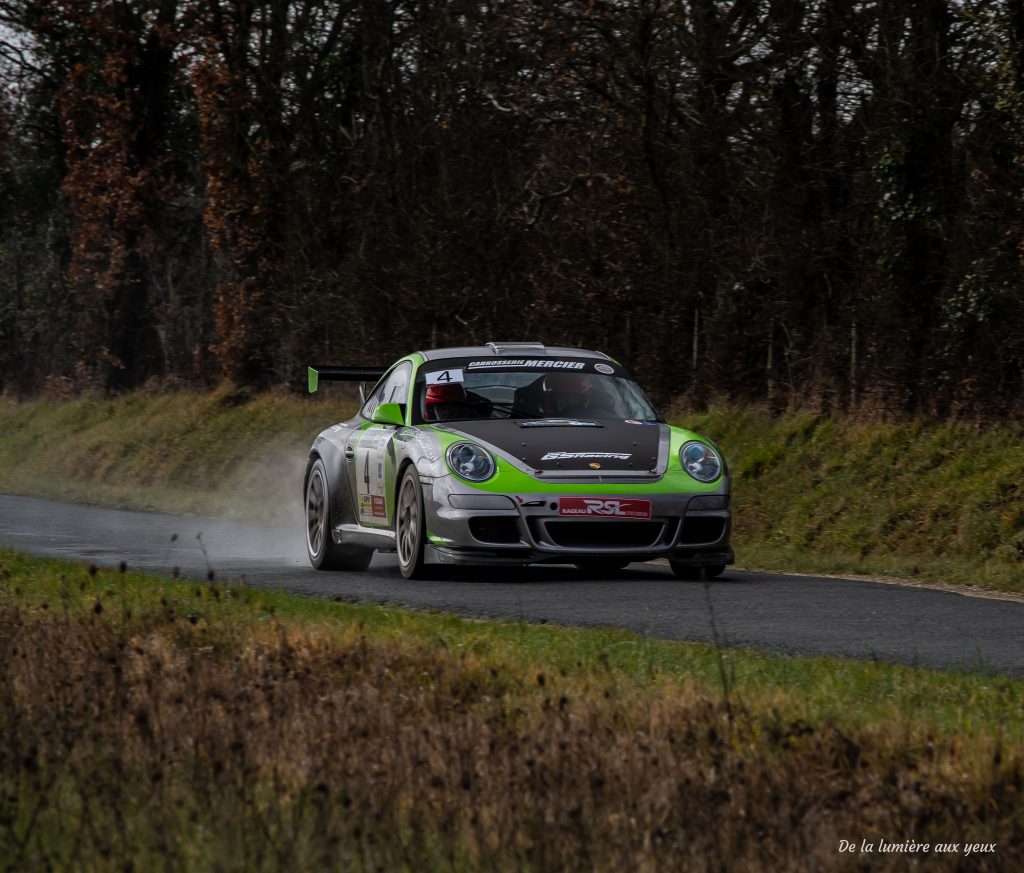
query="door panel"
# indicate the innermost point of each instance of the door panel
(370, 453)
(370, 468)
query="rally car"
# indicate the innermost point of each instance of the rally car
(512, 453)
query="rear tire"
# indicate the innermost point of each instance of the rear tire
(692, 572)
(323, 552)
(410, 528)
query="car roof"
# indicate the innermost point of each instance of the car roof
(510, 349)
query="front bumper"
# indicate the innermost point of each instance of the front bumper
(477, 528)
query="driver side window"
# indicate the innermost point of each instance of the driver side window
(394, 388)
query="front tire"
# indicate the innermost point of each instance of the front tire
(410, 528)
(695, 573)
(323, 552)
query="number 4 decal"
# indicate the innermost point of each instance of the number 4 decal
(443, 377)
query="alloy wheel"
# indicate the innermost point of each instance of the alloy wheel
(316, 512)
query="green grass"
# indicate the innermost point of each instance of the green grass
(156, 723)
(936, 502)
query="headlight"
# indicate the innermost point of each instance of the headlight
(700, 461)
(470, 462)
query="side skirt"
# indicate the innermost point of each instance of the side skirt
(357, 535)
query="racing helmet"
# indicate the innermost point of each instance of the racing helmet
(442, 401)
(564, 391)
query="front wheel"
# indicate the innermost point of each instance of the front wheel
(695, 573)
(409, 526)
(323, 552)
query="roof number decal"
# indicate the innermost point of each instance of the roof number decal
(445, 377)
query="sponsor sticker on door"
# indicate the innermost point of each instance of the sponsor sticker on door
(369, 474)
(604, 507)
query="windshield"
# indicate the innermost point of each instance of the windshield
(453, 390)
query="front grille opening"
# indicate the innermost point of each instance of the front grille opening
(494, 529)
(702, 529)
(606, 534)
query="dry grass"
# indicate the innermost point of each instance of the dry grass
(179, 738)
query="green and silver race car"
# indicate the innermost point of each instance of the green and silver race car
(512, 453)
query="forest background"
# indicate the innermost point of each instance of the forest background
(807, 203)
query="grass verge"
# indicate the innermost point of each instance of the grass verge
(932, 502)
(150, 722)
(218, 453)
(938, 502)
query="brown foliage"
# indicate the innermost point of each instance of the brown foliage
(238, 218)
(112, 110)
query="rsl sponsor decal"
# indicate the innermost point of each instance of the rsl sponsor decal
(604, 507)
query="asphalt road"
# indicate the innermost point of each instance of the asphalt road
(778, 613)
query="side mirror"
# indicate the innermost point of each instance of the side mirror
(388, 413)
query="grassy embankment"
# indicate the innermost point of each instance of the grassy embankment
(203, 454)
(158, 724)
(936, 502)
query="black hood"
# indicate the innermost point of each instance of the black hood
(569, 444)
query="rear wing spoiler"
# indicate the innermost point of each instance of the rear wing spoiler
(342, 374)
